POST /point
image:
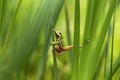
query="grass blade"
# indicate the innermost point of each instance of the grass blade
(3, 8)
(87, 36)
(115, 67)
(94, 48)
(112, 46)
(68, 31)
(53, 16)
(76, 41)
(55, 70)
(102, 35)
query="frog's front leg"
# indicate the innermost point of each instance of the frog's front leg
(53, 43)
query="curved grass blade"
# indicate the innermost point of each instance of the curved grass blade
(3, 10)
(115, 67)
(12, 23)
(55, 10)
(112, 46)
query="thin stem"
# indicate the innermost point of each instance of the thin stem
(55, 62)
(107, 48)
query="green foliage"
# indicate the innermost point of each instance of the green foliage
(25, 33)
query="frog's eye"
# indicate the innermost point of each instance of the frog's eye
(61, 35)
(58, 35)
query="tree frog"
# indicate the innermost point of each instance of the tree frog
(59, 46)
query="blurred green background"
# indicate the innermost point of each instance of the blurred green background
(25, 33)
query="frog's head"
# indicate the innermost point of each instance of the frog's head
(57, 34)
